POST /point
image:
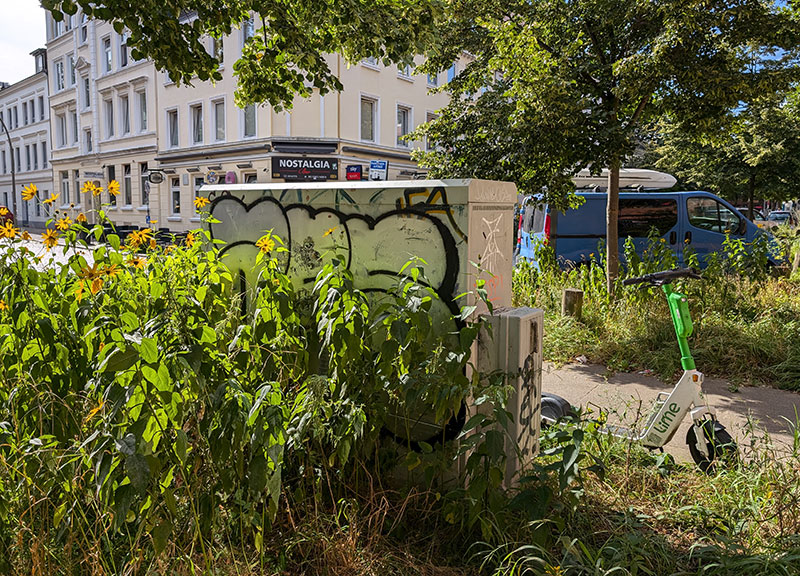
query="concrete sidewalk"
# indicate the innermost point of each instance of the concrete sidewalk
(626, 395)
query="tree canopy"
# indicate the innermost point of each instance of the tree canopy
(754, 154)
(286, 55)
(555, 86)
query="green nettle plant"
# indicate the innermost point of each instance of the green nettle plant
(147, 406)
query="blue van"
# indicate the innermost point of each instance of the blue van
(697, 219)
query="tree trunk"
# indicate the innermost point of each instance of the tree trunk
(612, 233)
(751, 191)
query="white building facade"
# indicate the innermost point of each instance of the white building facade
(26, 115)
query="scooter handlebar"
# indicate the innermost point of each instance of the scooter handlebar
(664, 277)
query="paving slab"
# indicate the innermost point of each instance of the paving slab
(751, 414)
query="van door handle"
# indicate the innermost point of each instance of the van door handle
(688, 237)
(673, 237)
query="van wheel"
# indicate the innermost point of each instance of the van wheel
(555, 408)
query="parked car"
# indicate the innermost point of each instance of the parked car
(757, 214)
(6, 215)
(781, 217)
(697, 219)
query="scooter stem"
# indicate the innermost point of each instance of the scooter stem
(682, 320)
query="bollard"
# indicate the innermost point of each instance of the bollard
(572, 302)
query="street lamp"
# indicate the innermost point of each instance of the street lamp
(13, 170)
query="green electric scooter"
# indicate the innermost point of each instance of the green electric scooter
(708, 440)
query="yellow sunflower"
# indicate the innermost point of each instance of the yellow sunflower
(29, 192)
(8, 231)
(3, 210)
(88, 187)
(266, 244)
(190, 240)
(63, 223)
(137, 262)
(81, 218)
(25, 235)
(50, 238)
(201, 201)
(113, 188)
(52, 199)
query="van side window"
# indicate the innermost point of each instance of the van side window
(708, 214)
(638, 216)
(533, 221)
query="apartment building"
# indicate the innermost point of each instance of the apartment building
(116, 119)
(25, 111)
(103, 106)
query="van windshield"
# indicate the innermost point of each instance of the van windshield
(534, 220)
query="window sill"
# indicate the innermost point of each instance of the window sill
(195, 219)
(174, 219)
(375, 67)
(406, 78)
(127, 208)
(142, 208)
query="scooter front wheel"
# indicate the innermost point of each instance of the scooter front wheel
(718, 445)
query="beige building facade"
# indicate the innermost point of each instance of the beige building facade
(116, 119)
(25, 110)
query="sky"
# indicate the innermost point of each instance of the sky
(22, 30)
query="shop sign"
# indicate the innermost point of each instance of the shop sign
(230, 178)
(354, 172)
(305, 169)
(378, 169)
(88, 174)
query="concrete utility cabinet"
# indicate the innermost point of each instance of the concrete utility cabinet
(377, 227)
(515, 349)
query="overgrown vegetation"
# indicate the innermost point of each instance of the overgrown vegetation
(746, 317)
(152, 422)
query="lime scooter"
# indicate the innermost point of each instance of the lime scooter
(708, 440)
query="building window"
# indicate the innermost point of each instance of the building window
(250, 121)
(61, 130)
(87, 139)
(41, 107)
(19, 164)
(248, 30)
(3, 156)
(37, 204)
(65, 187)
(123, 50)
(451, 72)
(16, 117)
(59, 76)
(87, 94)
(405, 72)
(403, 124)
(124, 115)
(44, 154)
(144, 184)
(142, 99)
(433, 80)
(112, 175)
(217, 50)
(35, 150)
(71, 70)
(109, 108)
(196, 113)
(369, 114)
(32, 106)
(106, 54)
(175, 189)
(28, 158)
(219, 121)
(76, 176)
(24, 114)
(172, 126)
(73, 117)
(84, 29)
(198, 183)
(371, 62)
(127, 191)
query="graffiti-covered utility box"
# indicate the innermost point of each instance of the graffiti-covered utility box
(377, 227)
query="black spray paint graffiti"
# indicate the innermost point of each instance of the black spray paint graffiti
(375, 246)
